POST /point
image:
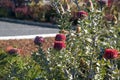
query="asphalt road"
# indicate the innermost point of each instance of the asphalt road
(18, 29)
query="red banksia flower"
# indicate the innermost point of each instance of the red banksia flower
(12, 50)
(58, 45)
(110, 54)
(39, 40)
(81, 14)
(60, 37)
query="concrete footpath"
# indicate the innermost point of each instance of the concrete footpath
(19, 29)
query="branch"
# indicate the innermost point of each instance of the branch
(76, 2)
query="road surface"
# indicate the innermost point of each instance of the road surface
(17, 29)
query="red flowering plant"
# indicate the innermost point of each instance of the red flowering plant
(88, 52)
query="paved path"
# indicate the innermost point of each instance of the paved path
(17, 29)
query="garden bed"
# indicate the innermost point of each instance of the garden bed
(27, 45)
(34, 62)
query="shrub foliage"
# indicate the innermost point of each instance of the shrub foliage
(89, 51)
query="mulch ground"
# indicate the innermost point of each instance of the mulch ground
(26, 45)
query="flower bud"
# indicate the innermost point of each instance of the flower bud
(78, 29)
(12, 50)
(39, 40)
(63, 31)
